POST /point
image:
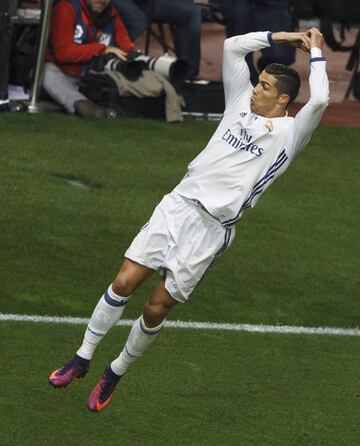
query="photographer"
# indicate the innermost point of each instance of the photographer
(80, 30)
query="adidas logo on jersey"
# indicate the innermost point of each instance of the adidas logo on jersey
(243, 114)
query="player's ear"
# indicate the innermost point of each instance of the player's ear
(283, 99)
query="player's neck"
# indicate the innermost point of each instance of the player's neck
(275, 113)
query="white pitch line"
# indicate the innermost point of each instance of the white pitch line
(250, 328)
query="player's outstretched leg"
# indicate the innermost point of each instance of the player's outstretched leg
(142, 334)
(106, 314)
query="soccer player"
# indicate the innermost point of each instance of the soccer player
(193, 225)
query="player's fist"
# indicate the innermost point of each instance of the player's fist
(316, 38)
(303, 42)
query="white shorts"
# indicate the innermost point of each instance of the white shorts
(183, 240)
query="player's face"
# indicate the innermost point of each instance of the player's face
(265, 95)
(97, 6)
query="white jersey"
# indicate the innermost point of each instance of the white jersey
(248, 152)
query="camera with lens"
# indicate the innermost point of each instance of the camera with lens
(171, 68)
(130, 68)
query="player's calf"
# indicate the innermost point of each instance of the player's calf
(158, 307)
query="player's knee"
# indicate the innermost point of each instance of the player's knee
(122, 286)
(155, 313)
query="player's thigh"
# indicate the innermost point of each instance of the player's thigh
(200, 242)
(160, 296)
(130, 276)
(158, 306)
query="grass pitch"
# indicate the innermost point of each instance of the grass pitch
(74, 193)
(191, 388)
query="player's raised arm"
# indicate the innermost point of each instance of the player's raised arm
(236, 75)
(309, 116)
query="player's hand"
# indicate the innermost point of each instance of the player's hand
(316, 38)
(299, 40)
(116, 51)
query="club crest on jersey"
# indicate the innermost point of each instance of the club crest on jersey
(269, 125)
(242, 142)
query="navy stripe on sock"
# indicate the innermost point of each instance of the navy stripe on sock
(114, 303)
(317, 59)
(150, 333)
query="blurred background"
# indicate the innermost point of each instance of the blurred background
(22, 22)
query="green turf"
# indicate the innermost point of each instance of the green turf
(294, 261)
(274, 390)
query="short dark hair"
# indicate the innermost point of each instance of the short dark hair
(287, 79)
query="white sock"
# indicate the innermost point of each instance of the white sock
(139, 340)
(106, 313)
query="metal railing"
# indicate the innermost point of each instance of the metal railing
(40, 60)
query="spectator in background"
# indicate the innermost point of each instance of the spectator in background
(244, 16)
(81, 29)
(183, 16)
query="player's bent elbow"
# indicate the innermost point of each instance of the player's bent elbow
(232, 43)
(227, 44)
(320, 102)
